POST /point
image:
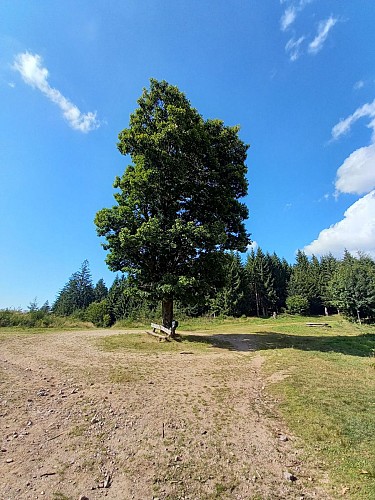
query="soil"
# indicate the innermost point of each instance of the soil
(79, 422)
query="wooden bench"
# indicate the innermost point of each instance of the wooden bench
(318, 324)
(168, 332)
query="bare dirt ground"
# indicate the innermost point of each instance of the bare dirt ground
(78, 422)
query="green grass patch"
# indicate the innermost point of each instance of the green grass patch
(146, 343)
(328, 399)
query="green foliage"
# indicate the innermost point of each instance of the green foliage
(32, 319)
(267, 277)
(178, 206)
(100, 290)
(229, 301)
(304, 282)
(352, 287)
(77, 294)
(19, 320)
(297, 304)
(98, 314)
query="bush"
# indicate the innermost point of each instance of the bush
(32, 319)
(98, 314)
(297, 304)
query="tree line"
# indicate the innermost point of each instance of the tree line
(260, 285)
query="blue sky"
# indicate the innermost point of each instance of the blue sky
(298, 76)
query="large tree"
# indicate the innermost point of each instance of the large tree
(178, 208)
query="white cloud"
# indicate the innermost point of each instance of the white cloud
(34, 74)
(359, 85)
(323, 30)
(290, 13)
(288, 18)
(357, 174)
(367, 110)
(253, 246)
(356, 232)
(293, 48)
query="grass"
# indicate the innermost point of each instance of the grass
(328, 399)
(142, 342)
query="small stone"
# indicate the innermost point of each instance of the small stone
(283, 438)
(177, 459)
(83, 497)
(289, 477)
(9, 460)
(203, 432)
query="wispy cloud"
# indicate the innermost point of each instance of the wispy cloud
(288, 18)
(343, 126)
(323, 30)
(359, 85)
(355, 232)
(36, 75)
(293, 48)
(291, 12)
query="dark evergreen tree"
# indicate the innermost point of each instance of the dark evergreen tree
(229, 300)
(77, 294)
(262, 297)
(118, 301)
(100, 291)
(328, 267)
(281, 271)
(304, 282)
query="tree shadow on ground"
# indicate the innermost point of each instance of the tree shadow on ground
(360, 345)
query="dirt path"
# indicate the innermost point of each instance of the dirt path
(75, 420)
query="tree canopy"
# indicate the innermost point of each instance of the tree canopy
(178, 204)
(77, 293)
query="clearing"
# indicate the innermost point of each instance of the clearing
(116, 414)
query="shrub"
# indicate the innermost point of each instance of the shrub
(297, 304)
(97, 313)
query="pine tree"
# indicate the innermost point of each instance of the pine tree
(304, 282)
(77, 294)
(229, 300)
(100, 290)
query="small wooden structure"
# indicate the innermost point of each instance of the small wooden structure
(318, 324)
(161, 332)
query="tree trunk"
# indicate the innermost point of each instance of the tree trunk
(167, 312)
(257, 300)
